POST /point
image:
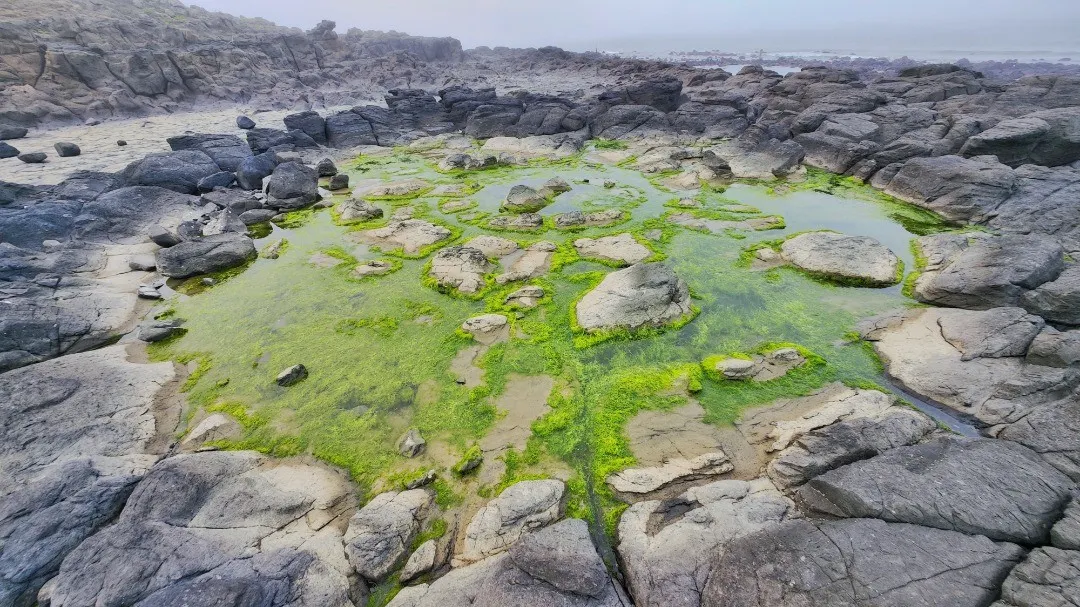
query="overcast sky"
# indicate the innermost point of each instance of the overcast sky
(706, 24)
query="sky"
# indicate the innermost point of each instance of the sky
(737, 25)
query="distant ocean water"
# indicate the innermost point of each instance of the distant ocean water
(931, 56)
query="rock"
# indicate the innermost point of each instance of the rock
(222, 222)
(274, 249)
(405, 188)
(410, 235)
(1049, 137)
(66, 149)
(228, 151)
(1066, 532)
(255, 216)
(1048, 576)
(205, 255)
(959, 189)
(381, 533)
(291, 376)
(486, 328)
(33, 157)
(978, 486)
(525, 297)
(647, 480)
(523, 199)
(243, 122)
(178, 171)
(847, 441)
(374, 267)
(1053, 431)
(159, 330)
(643, 295)
(8, 151)
(756, 155)
(253, 170)
(521, 507)
(534, 262)
(292, 186)
(991, 389)
(829, 405)
(998, 333)
(8, 131)
(858, 563)
(339, 182)
(326, 168)
(162, 237)
(217, 525)
(1053, 348)
(623, 249)
(310, 123)
(856, 259)
(421, 561)
(666, 547)
(234, 200)
(411, 444)
(215, 427)
(461, 268)
(121, 142)
(221, 179)
(493, 246)
(1057, 300)
(595, 218)
(142, 263)
(737, 368)
(563, 555)
(524, 221)
(358, 210)
(989, 272)
(553, 187)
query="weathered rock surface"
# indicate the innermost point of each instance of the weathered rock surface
(643, 295)
(205, 255)
(1057, 300)
(667, 547)
(858, 563)
(410, 235)
(535, 261)
(355, 209)
(381, 533)
(292, 186)
(647, 480)
(977, 486)
(523, 199)
(521, 507)
(177, 171)
(623, 249)
(1048, 576)
(219, 525)
(1053, 431)
(842, 257)
(487, 328)
(461, 268)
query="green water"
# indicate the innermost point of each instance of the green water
(379, 350)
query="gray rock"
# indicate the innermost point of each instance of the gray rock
(1048, 576)
(553, 187)
(842, 257)
(997, 333)
(521, 507)
(421, 561)
(1053, 348)
(858, 563)
(8, 151)
(255, 216)
(252, 171)
(142, 263)
(243, 122)
(1066, 532)
(235, 200)
(222, 222)
(737, 368)
(978, 486)
(410, 235)
(33, 157)
(339, 182)
(159, 330)
(643, 295)
(1057, 300)
(326, 168)
(292, 186)
(524, 221)
(222, 179)
(291, 376)
(8, 131)
(177, 171)
(411, 444)
(960, 189)
(989, 272)
(1049, 137)
(381, 533)
(461, 268)
(1053, 431)
(563, 555)
(355, 209)
(523, 199)
(205, 255)
(228, 151)
(66, 149)
(622, 249)
(676, 470)
(310, 123)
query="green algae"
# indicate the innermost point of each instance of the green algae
(379, 350)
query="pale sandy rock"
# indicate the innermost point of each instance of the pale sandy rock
(621, 248)
(647, 480)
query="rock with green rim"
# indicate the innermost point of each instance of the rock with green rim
(843, 258)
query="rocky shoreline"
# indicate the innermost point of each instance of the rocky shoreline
(858, 499)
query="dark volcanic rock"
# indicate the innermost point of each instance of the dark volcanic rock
(664, 95)
(8, 151)
(1049, 138)
(33, 157)
(126, 214)
(252, 171)
(222, 179)
(178, 171)
(205, 255)
(326, 168)
(228, 151)
(66, 149)
(310, 123)
(12, 132)
(243, 122)
(977, 486)
(293, 185)
(858, 563)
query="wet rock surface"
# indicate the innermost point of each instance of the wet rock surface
(841, 257)
(643, 295)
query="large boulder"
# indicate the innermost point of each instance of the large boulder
(521, 507)
(1049, 137)
(840, 257)
(1057, 300)
(310, 123)
(225, 527)
(252, 170)
(125, 215)
(985, 272)
(858, 563)
(666, 547)
(205, 255)
(177, 171)
(461, 268)
(228, 151)
(959, 189)
(380, 534)
(643, 295)
(293, 185)
(411, 236)
(976, 486)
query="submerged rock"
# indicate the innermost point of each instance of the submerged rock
(358, 210)
(622, 248)
(411, 444)
(643, 295)
(844, 258)
(410, 235)
(487, 328)
(293, 375)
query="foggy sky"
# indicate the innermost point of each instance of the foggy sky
(702, 24)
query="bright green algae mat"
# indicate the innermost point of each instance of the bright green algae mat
(379, 350)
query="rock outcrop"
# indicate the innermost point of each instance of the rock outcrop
(643, 295)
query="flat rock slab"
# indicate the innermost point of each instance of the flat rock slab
(404, 188)
(647, 480)
(977, 486)
(410, 235)
(643, 295)
(535, 261)
(461, 268)
(623, 249)
(720, 226)
(842, 257)
(667, 546)
(858, 563)
(779, 426)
